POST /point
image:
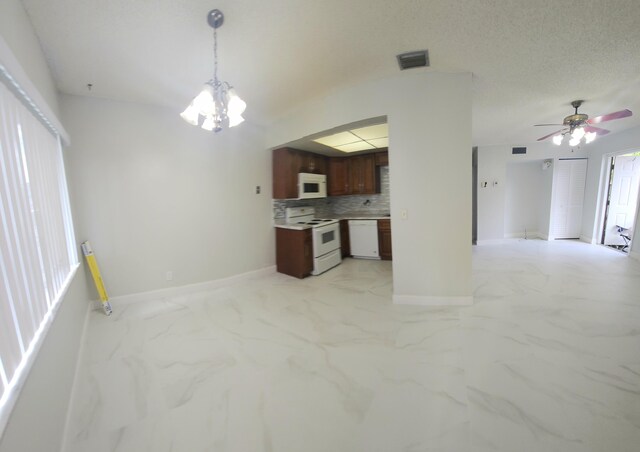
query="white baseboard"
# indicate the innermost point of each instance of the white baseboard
(432, 301)
(521, 235)
(492, 242)
(584, 238)
(197, 287)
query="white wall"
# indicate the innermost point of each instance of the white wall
(546, 192)
(492, 177)
(523, 198)
(37, 420)
(16, 30)
(429, 117)
(156, 194)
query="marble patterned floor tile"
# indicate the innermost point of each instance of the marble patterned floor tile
(546, 359)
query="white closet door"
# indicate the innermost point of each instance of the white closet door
(568, 198)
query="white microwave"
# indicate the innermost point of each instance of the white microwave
(312, 186)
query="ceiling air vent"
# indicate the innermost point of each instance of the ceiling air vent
(419, 58)
(519, 150)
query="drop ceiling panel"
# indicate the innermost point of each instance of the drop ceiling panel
(355, 147)
(372, 132)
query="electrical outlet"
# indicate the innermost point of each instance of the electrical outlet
(168, 275)
(404, 214)
(257, 189)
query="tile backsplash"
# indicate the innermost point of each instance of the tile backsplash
(340, 205)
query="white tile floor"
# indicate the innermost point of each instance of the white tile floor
(547, 359)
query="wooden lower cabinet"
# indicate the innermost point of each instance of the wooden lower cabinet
(344, 238)
(384, 239)
(294, 252)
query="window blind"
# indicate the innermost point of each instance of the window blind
(37, 252)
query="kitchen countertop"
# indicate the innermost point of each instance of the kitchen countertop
(281, 223)
(363, 216)
(284, 225)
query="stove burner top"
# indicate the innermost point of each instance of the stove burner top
(315, 221)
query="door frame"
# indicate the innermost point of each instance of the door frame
(603, 192)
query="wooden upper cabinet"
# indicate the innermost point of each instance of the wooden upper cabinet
(287, 163)
(363, 174)
(312, 163)
(285, 173)
(338, 177)
(382, 158)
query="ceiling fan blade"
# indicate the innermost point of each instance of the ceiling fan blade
(536, 125)
(611, 116)
(550, 135)
(597, 130)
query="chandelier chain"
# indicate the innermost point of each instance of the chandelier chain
(215, 58)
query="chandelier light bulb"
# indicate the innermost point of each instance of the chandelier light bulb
(574, 141)
(190, 114)
(236, 105)
(235, 120)
(589, 137)
(557, 139)
(208, 123)
(204, 101)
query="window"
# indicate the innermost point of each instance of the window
(38, 257)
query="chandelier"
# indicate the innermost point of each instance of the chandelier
(217, 104)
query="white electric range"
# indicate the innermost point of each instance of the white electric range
(325, 235)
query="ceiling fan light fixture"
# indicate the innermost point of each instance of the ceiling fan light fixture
(557, 139)
(578, 133)
(590, 136)
(574, 141)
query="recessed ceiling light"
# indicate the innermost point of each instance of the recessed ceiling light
(355, 147)
(337, 139)
(360, 139)
(379, 142)
(372, 132)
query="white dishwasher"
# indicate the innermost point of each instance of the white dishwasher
(363, 235)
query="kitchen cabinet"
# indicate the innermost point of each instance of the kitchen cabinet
(363, 174)
(382, 158)
(338, 177)
(294, 252)
(384, 239)
(344, 238)
(287, 163)
(357, 175)
(312, 163)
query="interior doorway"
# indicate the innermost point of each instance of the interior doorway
(621, 201)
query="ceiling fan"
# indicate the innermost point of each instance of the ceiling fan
(578, 126)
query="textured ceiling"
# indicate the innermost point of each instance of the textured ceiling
(529, 58)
